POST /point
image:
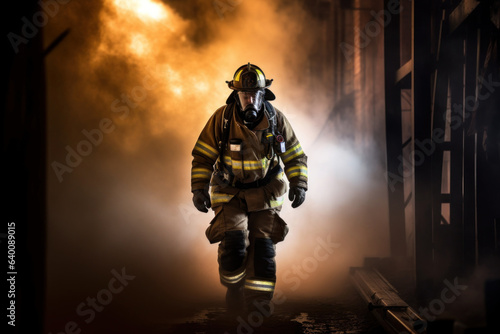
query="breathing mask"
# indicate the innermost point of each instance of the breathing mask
(251, 104)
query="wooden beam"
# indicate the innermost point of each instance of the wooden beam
(404, 71)
(470, 153)
(461, 12)
(383, 300)
(455, 244)
(394, 147)
(421, 132)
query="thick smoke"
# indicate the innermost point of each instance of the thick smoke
(130, 89)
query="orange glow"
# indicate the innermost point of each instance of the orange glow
(177, 90)
(143, 9)
(157, 69)
(139, 44)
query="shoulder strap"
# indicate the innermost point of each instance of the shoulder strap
(271, 116)
(226, 121)
(227, 114)
(273, 129)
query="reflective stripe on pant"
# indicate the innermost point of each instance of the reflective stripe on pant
(247, 253)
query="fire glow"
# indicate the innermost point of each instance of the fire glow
(145, 10)
(157, 71)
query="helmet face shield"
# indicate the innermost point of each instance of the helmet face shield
(251, 103)
(253, 98)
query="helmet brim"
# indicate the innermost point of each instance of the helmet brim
(231, 85)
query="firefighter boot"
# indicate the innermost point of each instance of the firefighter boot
(235, 300)
(258, 303)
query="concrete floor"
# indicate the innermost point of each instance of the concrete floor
(344, 313)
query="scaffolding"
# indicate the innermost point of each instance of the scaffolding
(442, 185)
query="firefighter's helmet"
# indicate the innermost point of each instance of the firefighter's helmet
(251, 78)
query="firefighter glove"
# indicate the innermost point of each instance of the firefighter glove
(297, 195)
(201, 200)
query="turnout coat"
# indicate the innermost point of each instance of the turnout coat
(249, 158)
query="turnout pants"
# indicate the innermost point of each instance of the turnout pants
(247, 247)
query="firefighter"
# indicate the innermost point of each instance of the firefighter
(237, 170)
